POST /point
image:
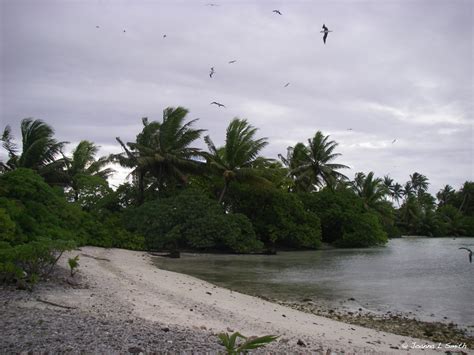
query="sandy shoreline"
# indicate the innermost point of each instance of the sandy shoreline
(126, 285)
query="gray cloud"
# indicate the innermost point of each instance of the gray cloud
(399, 69)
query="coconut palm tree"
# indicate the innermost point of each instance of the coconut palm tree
(39, 150)
(163, 151)
(419, 183)
(238, 158)
(397, 193)
(83, 164)
(444, 195)
(408, 190)
(312, 165)
(466, 193)
(295, 157)
(371, 190)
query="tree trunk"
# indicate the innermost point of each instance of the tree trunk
(221, 197)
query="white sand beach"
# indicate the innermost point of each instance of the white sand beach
(127, 284)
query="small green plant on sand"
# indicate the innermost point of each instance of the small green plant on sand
(73, 264)
(232, 348)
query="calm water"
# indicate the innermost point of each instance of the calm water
(426, 276)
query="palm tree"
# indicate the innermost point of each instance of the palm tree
(38, 152)
(397, 193)
(466, 194)
(408, 190)
(445, 195)
(83, 164)
(163, 151)
(388, 182)
(419, 183)
(371, 190)
(311, 165)
(295, 156)
(238, 158)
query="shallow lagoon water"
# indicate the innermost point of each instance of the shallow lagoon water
(429, 277)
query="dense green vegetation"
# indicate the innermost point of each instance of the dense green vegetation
(228, 198)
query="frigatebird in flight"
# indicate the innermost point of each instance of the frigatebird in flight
(277, 12)
(325, 31)
(217, 104)
(286, 85)
(212, 72)
(232, 61)
(394, 140)
(470, 253)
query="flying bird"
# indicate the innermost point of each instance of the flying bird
(349, 129)
(325, 31)
(164, 36)
(124, 31)
(277, 12)
(286, 85)
(212, 72)
(212, 5)
(470, 253)
(217, 104)
(232, 61)
(97, 26)
(394, 140)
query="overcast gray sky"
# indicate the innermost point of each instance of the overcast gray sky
(390, 70)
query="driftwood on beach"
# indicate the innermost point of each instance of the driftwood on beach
(175, 254)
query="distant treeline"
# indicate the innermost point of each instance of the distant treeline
(227, 198)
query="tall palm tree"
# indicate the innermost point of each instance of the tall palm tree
(313, 165)
(397, 193)
(444, 195)
(163, 150)
(388, 182)
(238, 158)
(83, 163)
(371, 190)
(419, 183)
(408, 190)
(295, 157)
(39, 149)
(466, 193)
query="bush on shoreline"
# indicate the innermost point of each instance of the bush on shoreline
(192, 220)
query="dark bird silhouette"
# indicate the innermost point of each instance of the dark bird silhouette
(212, 72)
(325, 31)
(277, 12)
(164, 36)
(217, 104)
(349, 129)
(124, 31)
(97, 26)
(232, 61)
(470, 253)
(394, 140)
(286, 85)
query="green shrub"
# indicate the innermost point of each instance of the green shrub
(278, 217)
(73, 264)
(249, 343)
(344, 220)
(361, 231)
(191, 220)
(31, 261)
